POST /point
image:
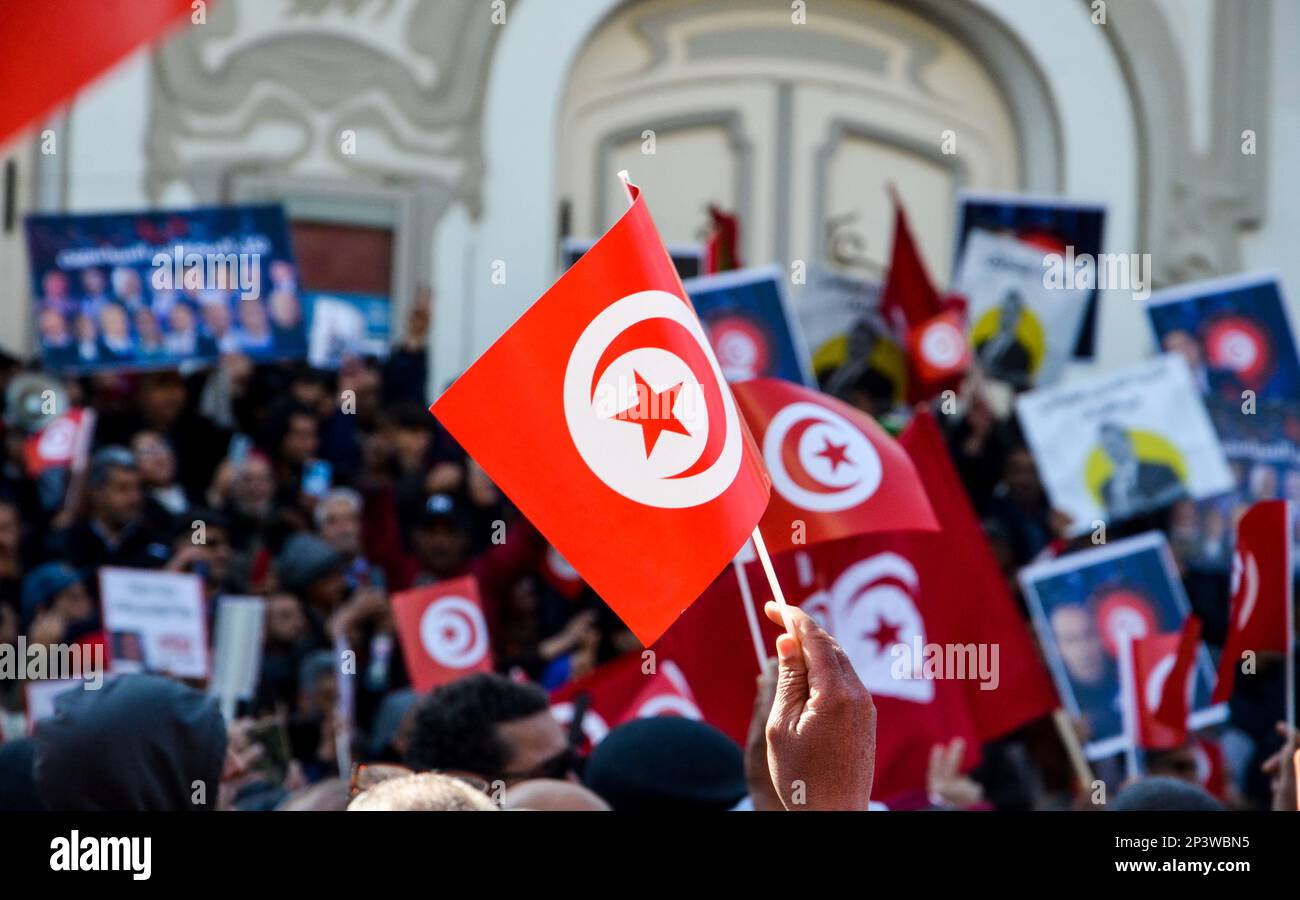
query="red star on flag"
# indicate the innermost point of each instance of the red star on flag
(653, 411)
(885, 635)
(834, 453)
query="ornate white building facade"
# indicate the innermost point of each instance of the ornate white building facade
(477, 133)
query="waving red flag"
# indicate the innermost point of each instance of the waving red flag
(443, 632)
(1164, 666)
(51, 49)
(1259, 616)
(602, 413)
(978, 592)
(939, 355)
(623, 690)
(835, 472)
(909, 296)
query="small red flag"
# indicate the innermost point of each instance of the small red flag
(835, 472)
(938, 354)
(1164, 669)
(909, 297)
(722, 251)
(1259, 614)
(603, 414)
(443, 632)
(620, 691)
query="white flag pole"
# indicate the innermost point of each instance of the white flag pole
(1128, 713)
(625, 179)
(751, 617)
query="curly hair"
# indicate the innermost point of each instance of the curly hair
(455, 726)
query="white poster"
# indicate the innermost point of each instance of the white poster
(1118, 445)
(237, 650)
(155, 621)
(1022, 330)
(830, 306)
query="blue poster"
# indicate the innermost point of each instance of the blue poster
(345, 325)
(1051, 223)
(1084, 603)
(158, 289)
(1237, 338)
(749, 322)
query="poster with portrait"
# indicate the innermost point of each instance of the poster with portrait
(1128, 442)
(156, 621)
(1240, 345)
(345, 325)
(833, 309)
(688, 259)
(1022, 331)
(1085, 604)
(158, 289)
(751, 325)
(1048, 224)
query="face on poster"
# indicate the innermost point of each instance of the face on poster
(748, 318)
(1084, 604)
(156, 289)
(1049, 224)
(1118, 445)
(1240, 345)
(1021, 330)
(832, 306)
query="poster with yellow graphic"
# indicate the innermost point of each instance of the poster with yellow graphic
(1022, 330)
(1118, 445)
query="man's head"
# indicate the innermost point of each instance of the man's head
(440, 539)
(425, 792)
(115, 496)
(1020, 476)
(161, 396)
(252, 489)
(1079, 642)
(300, 436)
(313, 570)
(490, 726)
(1163, 794)
(214, 530)
(154, 458)
(1115, 441)
(338, 521)
(55, 587)
(286, 623)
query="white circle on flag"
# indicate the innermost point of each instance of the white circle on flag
(831, 452)
(942, 345)
(687, 464)
(454, 632)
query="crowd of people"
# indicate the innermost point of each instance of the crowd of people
(227, 448)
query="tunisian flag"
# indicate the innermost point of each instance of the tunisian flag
(1259, 616)
(835, 472)
(909, 296)
(977, 592)
(623, 690)
(1164, 666)
(603, 414)
(443, 632)
(939, 355)
(50, 49)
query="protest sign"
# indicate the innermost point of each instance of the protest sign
(237, 651)
(1117, 445)
(1022, 330)
(832, 306)
(1053, 225)
(1240, 343)
(748, 318)
(156, 289)
(1086, 605)
(345, 325)
(156, 621)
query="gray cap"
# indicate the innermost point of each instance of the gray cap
(304, 559)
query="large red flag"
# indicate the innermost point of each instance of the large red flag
(443, 632)
(50, 49)
(602, 413)
(1164, 668)
(983, 604)
(1259, 614)
(835, 472)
